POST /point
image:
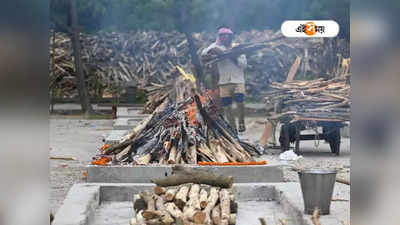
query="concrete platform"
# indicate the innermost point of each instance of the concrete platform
(129, 112)
(110, 204)
(115, 136)
(144, 174)
(126, 123)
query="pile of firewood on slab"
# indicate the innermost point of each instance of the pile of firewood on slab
(177, 200)
(324, 100)
(189, 132)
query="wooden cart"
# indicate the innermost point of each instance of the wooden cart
(291, 133)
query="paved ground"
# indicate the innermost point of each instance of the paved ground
(71, 136)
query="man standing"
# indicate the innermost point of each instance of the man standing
(231, 76)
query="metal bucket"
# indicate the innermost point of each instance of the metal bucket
(317, 187)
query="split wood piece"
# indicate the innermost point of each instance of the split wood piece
(212, 201)
(203, 198)
(194, 215)
(184, 175)
(138, 203)
(181, 197)
(151, 214)
(148, 198)
(159, 203)
(159, 190)
(172, 155)
(173, 210)
(194, 201)
(315, 217)
(143, 160)
(225, 206)
(216, 215)
(170, 194)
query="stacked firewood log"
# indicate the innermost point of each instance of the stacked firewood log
(325, 100)
(188, 132)
(112, 59)
(187, 203)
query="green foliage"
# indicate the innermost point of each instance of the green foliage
(202, 15)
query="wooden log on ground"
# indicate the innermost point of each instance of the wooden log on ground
(186, 175)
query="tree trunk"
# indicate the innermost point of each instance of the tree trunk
(76, 45)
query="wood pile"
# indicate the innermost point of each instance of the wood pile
(112, 59)
(189, 132)
(324, 100)
(186, 204)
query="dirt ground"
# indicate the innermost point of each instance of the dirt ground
(74, 137)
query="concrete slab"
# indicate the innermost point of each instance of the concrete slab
(126, 123)
(129, 112)
(115, 136)
(101, 204)
(144, 174)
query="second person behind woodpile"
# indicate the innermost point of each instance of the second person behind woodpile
(231, 82)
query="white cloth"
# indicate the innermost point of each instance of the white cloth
(229, 72)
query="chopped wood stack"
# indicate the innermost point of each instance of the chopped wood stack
(186, 204)
(112, 59)
(183, 133)
(324, 100)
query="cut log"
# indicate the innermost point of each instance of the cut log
(170, 194)
(212, 201)
(225, 206)
(151, 214)
(203, 198)
(181, 197)
(159, 190)
(194, 201)
(216, 215)
(173, 210)
(199, 217)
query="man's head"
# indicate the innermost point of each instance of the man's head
(225, 36)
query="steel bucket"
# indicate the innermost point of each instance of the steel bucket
(317, 186)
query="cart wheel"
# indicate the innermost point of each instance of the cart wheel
(284, 138)
(334, 141)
